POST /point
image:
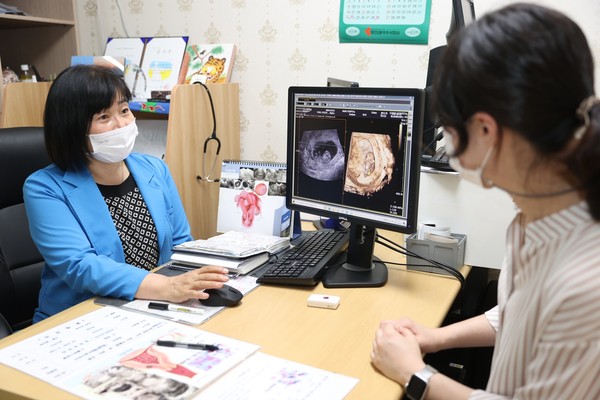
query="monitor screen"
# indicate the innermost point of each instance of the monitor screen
(354, 153)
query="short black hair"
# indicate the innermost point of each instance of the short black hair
(78, 93)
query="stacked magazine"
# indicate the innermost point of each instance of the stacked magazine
(240, 252)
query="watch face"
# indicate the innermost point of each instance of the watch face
(416, 388)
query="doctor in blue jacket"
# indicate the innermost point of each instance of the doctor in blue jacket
(101, 216)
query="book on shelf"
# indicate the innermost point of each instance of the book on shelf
(240, 266)
(234, 244)
(208, 63)
(155, 63)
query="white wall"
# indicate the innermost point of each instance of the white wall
(283, 43)
(482, 214)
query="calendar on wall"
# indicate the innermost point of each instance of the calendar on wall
(384, 21)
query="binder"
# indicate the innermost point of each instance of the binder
(240, 266)
(252, 198)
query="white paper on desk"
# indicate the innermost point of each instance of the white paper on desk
(243, 283)
(95, 354)
(264, 377)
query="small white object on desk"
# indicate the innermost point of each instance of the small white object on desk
(323, 301)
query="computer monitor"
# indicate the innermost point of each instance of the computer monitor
(354, 154)
(463, 13)
(335, 82)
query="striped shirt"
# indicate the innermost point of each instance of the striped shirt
(548, 314)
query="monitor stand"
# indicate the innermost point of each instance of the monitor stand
(361, 268)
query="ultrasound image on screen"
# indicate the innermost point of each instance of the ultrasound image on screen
(320, 155)
(370, 163)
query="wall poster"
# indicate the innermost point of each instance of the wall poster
(384, 21)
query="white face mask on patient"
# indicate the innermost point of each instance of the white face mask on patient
(115, 145)
(474, 176)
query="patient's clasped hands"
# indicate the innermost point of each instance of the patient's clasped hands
(398, 347)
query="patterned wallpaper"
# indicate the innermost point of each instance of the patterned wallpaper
(281, 43)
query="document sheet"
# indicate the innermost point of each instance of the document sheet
(112, 353)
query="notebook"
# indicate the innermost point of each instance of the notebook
(240, 266)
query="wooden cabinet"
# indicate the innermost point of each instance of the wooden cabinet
(190, 124)
(46, 38)
(25, 106)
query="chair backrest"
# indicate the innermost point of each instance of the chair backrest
(22, 151)
(5, 328)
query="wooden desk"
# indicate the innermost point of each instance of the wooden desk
(277, 319)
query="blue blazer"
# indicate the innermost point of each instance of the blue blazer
(73, 230)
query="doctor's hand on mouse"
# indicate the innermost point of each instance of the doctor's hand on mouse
(182, 287)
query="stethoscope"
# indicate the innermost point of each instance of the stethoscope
(212, 137)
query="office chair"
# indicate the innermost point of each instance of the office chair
(5, 328)
(22, 151)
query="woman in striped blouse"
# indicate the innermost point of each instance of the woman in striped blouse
(515, 94)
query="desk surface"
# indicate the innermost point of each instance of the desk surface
(277, 319)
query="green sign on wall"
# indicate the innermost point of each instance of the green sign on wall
(384, 21)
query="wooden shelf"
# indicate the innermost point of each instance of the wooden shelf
(46, 37)
(9, 21)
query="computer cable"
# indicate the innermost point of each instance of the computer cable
(433, 263)
(436, 264)
(436, 139)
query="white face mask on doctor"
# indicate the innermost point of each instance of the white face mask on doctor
(114, 146)
(474, 176)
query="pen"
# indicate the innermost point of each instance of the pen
(195, 346)
(173, 307)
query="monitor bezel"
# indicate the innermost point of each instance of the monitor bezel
(415, 170)
(460, 8)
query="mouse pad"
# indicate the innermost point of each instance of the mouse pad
(171, 270)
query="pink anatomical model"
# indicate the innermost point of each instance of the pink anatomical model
(249, 203)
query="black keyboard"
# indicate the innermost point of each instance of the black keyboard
(305, 263)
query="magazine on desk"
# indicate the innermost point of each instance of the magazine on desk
(111, 353)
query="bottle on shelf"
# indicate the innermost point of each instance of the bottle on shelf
(25, 74)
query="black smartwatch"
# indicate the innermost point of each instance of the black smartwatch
(416, 388)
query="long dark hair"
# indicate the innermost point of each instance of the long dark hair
(530, 68)
(75, 96)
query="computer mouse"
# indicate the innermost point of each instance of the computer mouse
(226, 296)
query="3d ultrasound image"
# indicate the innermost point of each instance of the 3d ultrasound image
(370, 163)
(321, 155)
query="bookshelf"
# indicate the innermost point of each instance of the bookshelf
(46, 38)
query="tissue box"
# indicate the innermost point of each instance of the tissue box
(450, 254)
